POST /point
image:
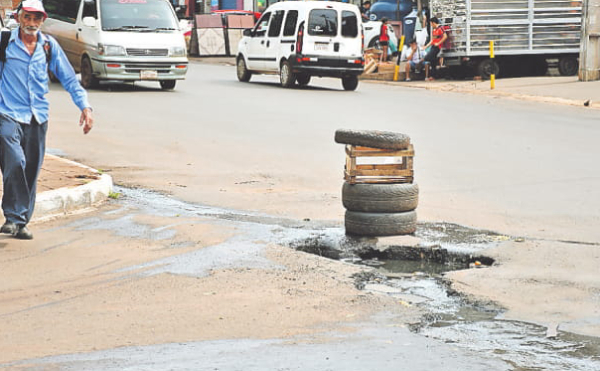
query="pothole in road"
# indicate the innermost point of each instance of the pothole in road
(411, 273)
(414, 276)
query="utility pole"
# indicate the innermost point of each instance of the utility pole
(589, 54)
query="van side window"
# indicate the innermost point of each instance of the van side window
(276, 22)
(289, 29)
(89, 9)
(322, 22)
(64, 10)
(263, 24)
(349, 24)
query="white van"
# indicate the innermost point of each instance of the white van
(301, 39)
(119, 39)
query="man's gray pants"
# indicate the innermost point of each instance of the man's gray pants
(22, 148)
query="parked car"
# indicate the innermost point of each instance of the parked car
(119, 39)
(299, 40)
(372, 31)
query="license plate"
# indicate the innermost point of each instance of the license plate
(148, 75)
(321, 46)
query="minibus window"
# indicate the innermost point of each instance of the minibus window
(349, 24)
(89, 9)
(137, 15)
(289, 29)
(64, 10)
(322, 22)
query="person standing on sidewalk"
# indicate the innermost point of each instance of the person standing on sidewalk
(384, 39)
(438, 37)
(24, 112)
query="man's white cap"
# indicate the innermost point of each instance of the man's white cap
(35, 6)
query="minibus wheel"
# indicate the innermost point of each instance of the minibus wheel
(88, 80)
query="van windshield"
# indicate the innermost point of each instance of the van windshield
(137, 15)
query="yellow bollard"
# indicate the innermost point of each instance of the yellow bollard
(397, 68)
(492, 76)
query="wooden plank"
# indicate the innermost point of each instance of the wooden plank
(354, 151)
(380, 167)
(378, 172)
(378, 180)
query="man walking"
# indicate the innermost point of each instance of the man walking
(24, 112)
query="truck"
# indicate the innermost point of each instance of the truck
(526, 34)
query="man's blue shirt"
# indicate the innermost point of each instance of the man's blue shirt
(24, 82)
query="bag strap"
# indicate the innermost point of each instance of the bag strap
(4, 38)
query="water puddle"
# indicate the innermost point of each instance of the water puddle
(413, 274)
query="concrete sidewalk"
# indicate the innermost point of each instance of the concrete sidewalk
(66, 187)
(567, 90)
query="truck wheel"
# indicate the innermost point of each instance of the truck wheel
(350, 83)
(88, 80)
(487, 68)
(568, 65)
(243, 74)
(167, 84)
(380, 198)
(286, 76)
(372, 138)
(380, 224)
(303, 79)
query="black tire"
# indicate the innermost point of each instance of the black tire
(380, 198)
(242, 71)
(568, 65)
(286, 76)
(303, 79)
(350, 83)
(373, 138)
(374, 43)
(380, 224)
(88, 80)
(487, 68)
(167, 84)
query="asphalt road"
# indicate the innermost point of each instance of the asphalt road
(128, 275)
(515, 167)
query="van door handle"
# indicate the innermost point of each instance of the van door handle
(76, 35)
(268, 43)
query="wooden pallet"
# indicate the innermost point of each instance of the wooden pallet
(399, 172)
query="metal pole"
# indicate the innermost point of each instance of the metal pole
(397, 67)
(492, 76)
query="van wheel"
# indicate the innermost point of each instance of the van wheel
(286, 76)
(350, 82)
(303, 79)
(242, 72)
(88, 80)
(167, 84)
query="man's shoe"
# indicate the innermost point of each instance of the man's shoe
(24, 233)
(9, 228)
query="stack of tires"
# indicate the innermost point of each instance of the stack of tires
(377, 207)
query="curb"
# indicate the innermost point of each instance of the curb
(449, 87)
(69, 200)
